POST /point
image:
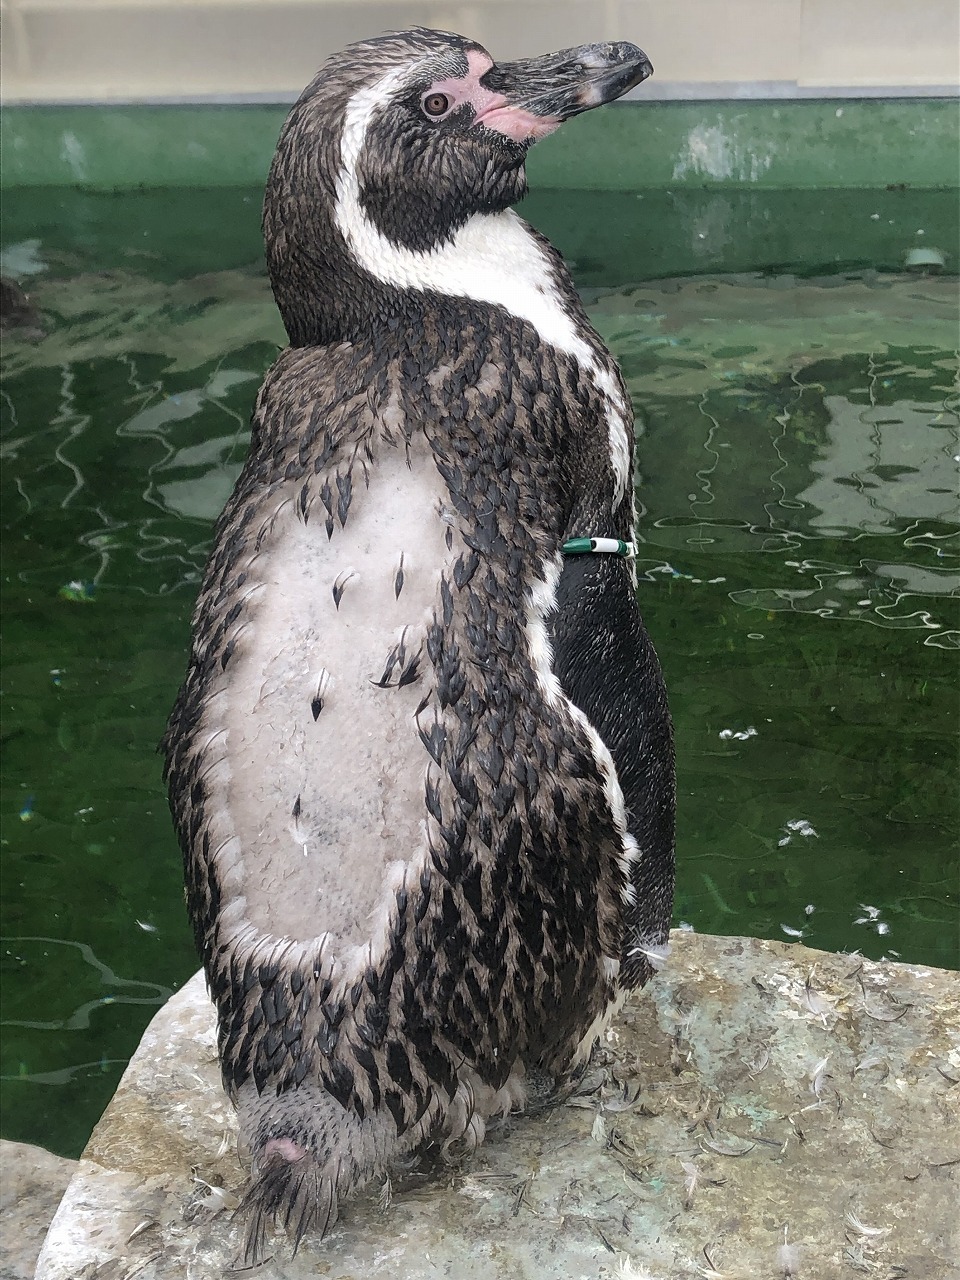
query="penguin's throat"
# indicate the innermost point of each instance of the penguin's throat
(493, 259)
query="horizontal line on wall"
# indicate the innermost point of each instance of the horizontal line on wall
(679, 91)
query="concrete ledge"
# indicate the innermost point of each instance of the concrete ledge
(761, 1110)
(32, 1182)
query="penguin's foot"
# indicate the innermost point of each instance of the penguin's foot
(543, 1090)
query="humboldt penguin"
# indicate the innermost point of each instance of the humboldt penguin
(421, 764)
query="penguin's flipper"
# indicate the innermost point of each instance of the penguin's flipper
(607, 666)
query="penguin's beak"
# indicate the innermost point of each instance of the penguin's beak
(535, 95)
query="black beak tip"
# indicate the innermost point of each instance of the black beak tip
(634, 62)
(616, 68)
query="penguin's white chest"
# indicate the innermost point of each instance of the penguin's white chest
(326, 769)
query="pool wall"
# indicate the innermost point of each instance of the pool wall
(759, 145)
(753, 94)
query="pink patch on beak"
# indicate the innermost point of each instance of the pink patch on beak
(285, 1147)
(492, 109)
(517, 122)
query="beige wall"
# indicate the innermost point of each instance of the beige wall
(63, 50)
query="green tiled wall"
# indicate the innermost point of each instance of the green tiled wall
(863, 143)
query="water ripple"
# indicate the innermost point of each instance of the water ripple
(126, 990)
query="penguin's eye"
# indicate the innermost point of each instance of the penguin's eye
(435, 104)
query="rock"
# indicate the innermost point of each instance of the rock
(761, 1110)
(32, 1182)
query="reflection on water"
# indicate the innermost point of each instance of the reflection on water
(119, 990)
(792, 422)
(797, 478)
(883, 463)
(124, 426)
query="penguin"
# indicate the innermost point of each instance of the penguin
(421, 764)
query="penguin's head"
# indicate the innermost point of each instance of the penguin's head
(414, 133)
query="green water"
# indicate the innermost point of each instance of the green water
(799, 574)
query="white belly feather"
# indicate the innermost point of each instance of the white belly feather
(322, 774)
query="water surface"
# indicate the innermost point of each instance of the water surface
(797, 462)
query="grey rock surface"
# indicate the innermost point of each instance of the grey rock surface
(760, 1110)
(32, 1182)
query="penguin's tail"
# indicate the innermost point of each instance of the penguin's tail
(309, 1154)
(290, 1189)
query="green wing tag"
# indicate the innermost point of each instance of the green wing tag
(599, 547)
